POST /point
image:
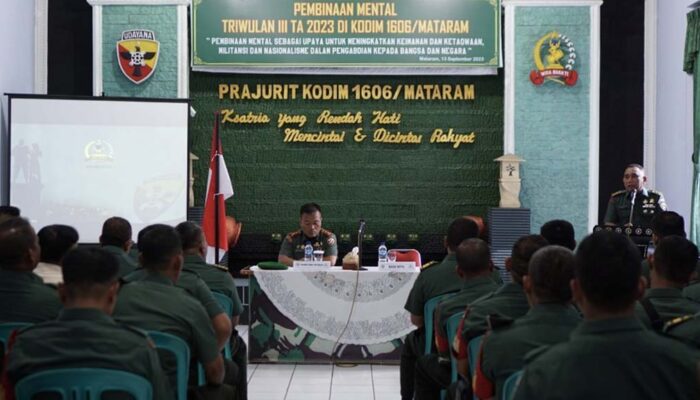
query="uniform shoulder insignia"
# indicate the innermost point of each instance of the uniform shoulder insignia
(497, 321)
(428, 265)
(220, 267)
(619, 192)
(290, 236)
(326, 232)
(676, 321)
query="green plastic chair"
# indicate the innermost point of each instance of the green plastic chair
(451, 327)
(428, 315)
(511, 385)
(181, 351)
(83, 384)
(7, 328)
(473, 351)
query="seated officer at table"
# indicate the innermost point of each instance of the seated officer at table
(85, 335)
(610, 355)
(155, 303)
(672, 264)
(116, 239)
(550, 320)
(647, 202)
(23, 295)
(310, 222)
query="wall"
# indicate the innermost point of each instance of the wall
(16, 68)
(552, 120)
(674, 117)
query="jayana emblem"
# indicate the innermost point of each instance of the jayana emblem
(555, 59)
(137, 53)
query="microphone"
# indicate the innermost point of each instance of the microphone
(634, 197)
(360, 232)
(361, 229)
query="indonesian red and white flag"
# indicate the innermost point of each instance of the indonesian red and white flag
(216, 199)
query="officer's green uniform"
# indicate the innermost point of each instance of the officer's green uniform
(432, 281)
(216, 278)
(86, 338)
(471, 290)
(25, 298)
(664, 305)
(153, 303)
(192, 283)
(504, 349)
(293, 244)
(647, 203)
(219, 280)
(126, 263)
(612, 359)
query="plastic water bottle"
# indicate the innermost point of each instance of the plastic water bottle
(382, 253)
(308, 252)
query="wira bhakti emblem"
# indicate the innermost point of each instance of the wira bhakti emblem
(555, 58)
(137, 53)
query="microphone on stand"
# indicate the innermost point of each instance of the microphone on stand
(634, 197)
(360, 232)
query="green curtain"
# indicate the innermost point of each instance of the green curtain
(690, 65)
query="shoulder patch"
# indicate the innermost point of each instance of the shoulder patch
(619, 192)
(290, 236)
(219, 267)
(675, 322)
(497, 321)
(429, 264)
(326, 232)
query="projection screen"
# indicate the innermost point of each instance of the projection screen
(79, 161)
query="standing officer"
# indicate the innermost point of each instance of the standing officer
(321, 239)
(610, 355)
(641, 202)
(85, 335)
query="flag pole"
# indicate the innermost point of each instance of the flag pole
(217, 195)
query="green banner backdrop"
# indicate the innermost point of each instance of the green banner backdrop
(272, 33)
(407, 154)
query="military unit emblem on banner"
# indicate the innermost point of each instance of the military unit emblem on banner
(137, 53)
(555, 59)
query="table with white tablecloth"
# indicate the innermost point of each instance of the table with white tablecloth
(316, 316)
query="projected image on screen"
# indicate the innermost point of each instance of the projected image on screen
(79, 162)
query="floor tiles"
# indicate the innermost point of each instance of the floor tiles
(322, 382)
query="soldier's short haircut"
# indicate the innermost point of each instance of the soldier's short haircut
(10, 211)
(17, 237)
(309, 208)
(668, 223)
(550, 270)
(675, 259)
(116, 231)
(88, 272)
(473, 256)
(190, 235)
(461, 229)
(634, 165)
(55, 241)
(608, 267)
(523, 249)
(158, 245)
(559, 232)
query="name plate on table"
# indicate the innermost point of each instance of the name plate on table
(311, 265)
(408, 266)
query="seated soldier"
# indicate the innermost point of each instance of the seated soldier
(31, 300)
(665, 223)
(559, 232)
(155, 303)
(55, 241)
(7, 212)
(217, 278)
(550, 320)
(433, 280)
(610, 355)
(116, 239)
(671, 266)
(292, 247)
(507, 302)
(196, 287)
(474, 267)
(84, 335)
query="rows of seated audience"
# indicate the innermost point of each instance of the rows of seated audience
(97, 307)
(597, 323)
